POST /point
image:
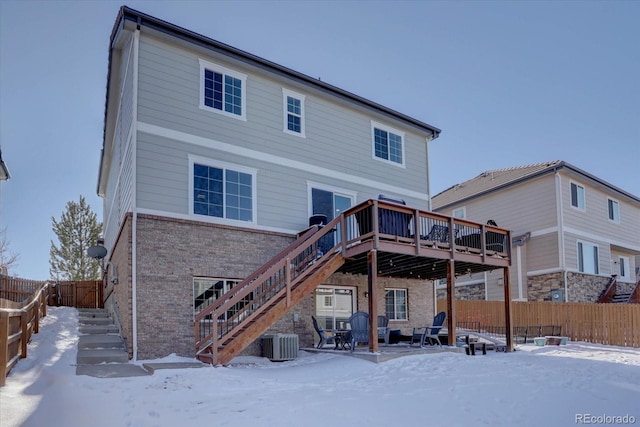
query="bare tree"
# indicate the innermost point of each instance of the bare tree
(7, 258)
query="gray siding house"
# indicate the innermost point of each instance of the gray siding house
(214, 160)
(571, 231)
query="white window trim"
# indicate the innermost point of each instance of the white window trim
(584, 189)
(595, 245)
(301, 98)
(627, 264)
(193, 159)
(335, 190)
(211, 279)
(376, 125)
(614, 220)
(225, 71)
(406, 302)
(464, 212)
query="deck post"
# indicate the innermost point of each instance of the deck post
(372, 261)
(507, 309)
(451, 302)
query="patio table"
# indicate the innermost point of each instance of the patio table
(342, 339)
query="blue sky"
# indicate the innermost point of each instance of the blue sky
(509, 84)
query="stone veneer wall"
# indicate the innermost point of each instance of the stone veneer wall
(171, 252)
(539, 287)
(585, 287)
(466, 292)
(580, 287)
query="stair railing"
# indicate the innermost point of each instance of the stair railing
(634, 298)
(610, 292)
(254, 294)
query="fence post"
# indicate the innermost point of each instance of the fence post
(4, 345)
(24, 337)
(36, 315)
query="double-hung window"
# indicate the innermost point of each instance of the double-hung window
(387, 144)
(222, 90)
(614, 210)
(587, 258)
(206, 290)
(396, 304)
(223, 191)
(577, 196)
(293, 112)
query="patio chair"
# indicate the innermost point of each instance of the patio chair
(438, 234)
(325, 338)
(422, 334)
(383, 329)
(359, 322)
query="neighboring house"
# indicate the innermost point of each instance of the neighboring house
(571, 231)
(214, 160)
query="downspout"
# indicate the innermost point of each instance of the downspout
(134, 219)
(429, 173)
(560, 219)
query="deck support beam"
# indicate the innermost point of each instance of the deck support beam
(372, 267)
(508, 326)
(451, 301)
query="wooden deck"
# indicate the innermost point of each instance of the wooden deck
(375, 238)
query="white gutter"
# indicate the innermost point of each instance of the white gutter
(560, 219)
(134, 219)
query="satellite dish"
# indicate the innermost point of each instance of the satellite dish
(97, 252)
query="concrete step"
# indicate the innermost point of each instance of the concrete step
(98, 329)
(94, 357)
(86, 342)
(92, 312)
(95, 321)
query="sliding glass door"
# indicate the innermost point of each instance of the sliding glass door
(334, 306)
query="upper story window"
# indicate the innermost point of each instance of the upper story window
(459, 213)
(577, 196)
(587, 258)
(614, 210)
(388, 144)
(396, 304)
(293, 112)
(222, 191)
(222, 90)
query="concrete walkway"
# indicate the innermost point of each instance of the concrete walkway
(102, 353)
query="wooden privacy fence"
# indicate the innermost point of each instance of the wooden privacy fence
(79, 294)
(74, 293)
(610, 324)
(18, 321)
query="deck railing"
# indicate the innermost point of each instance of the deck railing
(401, 224)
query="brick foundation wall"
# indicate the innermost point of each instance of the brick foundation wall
(118, 297)
(171, 252)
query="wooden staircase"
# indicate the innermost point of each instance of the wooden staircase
(611, 294)
(242, 315)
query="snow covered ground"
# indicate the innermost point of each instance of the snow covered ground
(579, 383)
